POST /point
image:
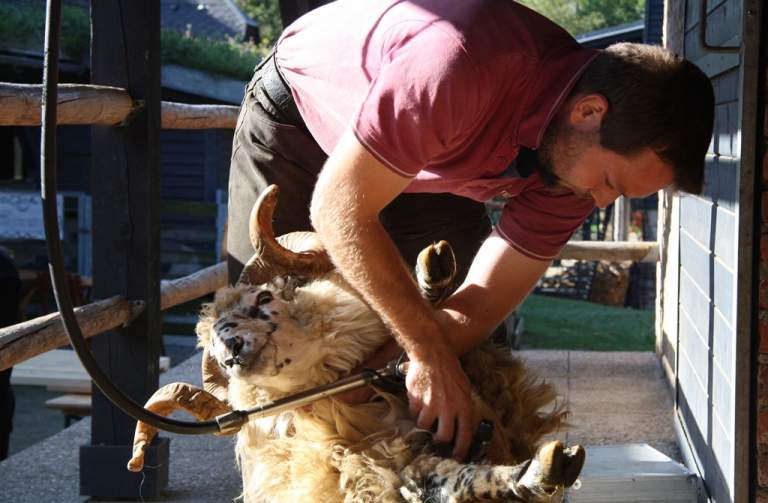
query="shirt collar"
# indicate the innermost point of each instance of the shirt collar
(556, 76)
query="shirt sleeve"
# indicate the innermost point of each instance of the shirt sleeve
(423, 100)
(538, 223)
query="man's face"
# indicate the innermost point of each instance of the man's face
(571, 159)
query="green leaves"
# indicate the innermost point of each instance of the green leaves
(581, 16)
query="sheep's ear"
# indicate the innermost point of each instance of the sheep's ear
(215, 381)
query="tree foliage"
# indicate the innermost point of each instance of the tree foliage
(576, 16)
(581, 16)
(267, 14)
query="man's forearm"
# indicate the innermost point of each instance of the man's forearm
(369, 260)
(498, 281)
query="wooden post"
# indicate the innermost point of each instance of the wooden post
(125, 53)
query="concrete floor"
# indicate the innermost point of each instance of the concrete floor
(615, 398)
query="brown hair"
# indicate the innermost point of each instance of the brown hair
(656, 99)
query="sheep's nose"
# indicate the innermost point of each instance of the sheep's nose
(234, 344)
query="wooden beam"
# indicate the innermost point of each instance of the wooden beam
(183, 116)
(104, 105)
(31, 338)
(193, 286)
(613, 251)
(26, 340)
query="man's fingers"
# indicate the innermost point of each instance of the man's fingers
(425, 418)
(463, 437)
(445, 428)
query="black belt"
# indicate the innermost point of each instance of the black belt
(278, 90)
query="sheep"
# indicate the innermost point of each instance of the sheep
(292, 323)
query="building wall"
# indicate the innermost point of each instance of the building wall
(706, 271)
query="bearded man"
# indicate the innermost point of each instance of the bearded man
(388, 124)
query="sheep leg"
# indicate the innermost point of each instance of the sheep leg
(431, 478)
(435, 269)
(168, 399)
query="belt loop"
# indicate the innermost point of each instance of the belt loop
(278, 90)
(264, 60)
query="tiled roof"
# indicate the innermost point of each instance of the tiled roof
(207, 17)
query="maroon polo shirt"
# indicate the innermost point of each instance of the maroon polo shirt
(445, 93)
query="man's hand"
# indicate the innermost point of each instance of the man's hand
(439, 390)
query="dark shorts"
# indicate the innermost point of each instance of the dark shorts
(268, 149)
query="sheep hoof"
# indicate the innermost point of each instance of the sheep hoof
(136, 464)
(554, 466)
(435, 269)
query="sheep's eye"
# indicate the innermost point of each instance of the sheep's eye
(264, 298)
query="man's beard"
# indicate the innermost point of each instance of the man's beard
(559, 147)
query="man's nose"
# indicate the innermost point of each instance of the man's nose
(604, 196)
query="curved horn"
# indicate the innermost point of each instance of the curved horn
(300, 253)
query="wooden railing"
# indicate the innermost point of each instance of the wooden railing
(102, 105)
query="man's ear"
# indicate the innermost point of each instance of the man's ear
(587, 112)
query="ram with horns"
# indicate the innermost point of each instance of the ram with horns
(293, 323)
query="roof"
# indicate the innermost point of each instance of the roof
(208, 18)
(628, 32)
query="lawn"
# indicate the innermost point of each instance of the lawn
(553, 323)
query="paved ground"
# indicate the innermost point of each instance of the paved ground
(34, 423)
(616, 398)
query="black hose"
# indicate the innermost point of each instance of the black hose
(55, 255)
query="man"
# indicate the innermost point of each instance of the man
(403, 117)
(10, 293)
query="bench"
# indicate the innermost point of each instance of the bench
(61, 370)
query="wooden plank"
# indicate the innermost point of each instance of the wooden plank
(696, 349)
(722, 398)
(696, 305)
(695, 392)
(723, 182)
(698, 215)
(190, 208)
(696, 260)
(198, 257)
(72, 404)
(60, 370)
(181, 169)
(724, 291)
(725, 245)
(185, 158)
(194, 194)
(195, 235)
(183, 183)
(619, 251)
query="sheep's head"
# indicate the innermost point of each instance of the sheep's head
(280, 326)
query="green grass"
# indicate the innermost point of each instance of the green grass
(553, 323)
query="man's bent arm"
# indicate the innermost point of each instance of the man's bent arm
(498, 281)
(351, 191)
